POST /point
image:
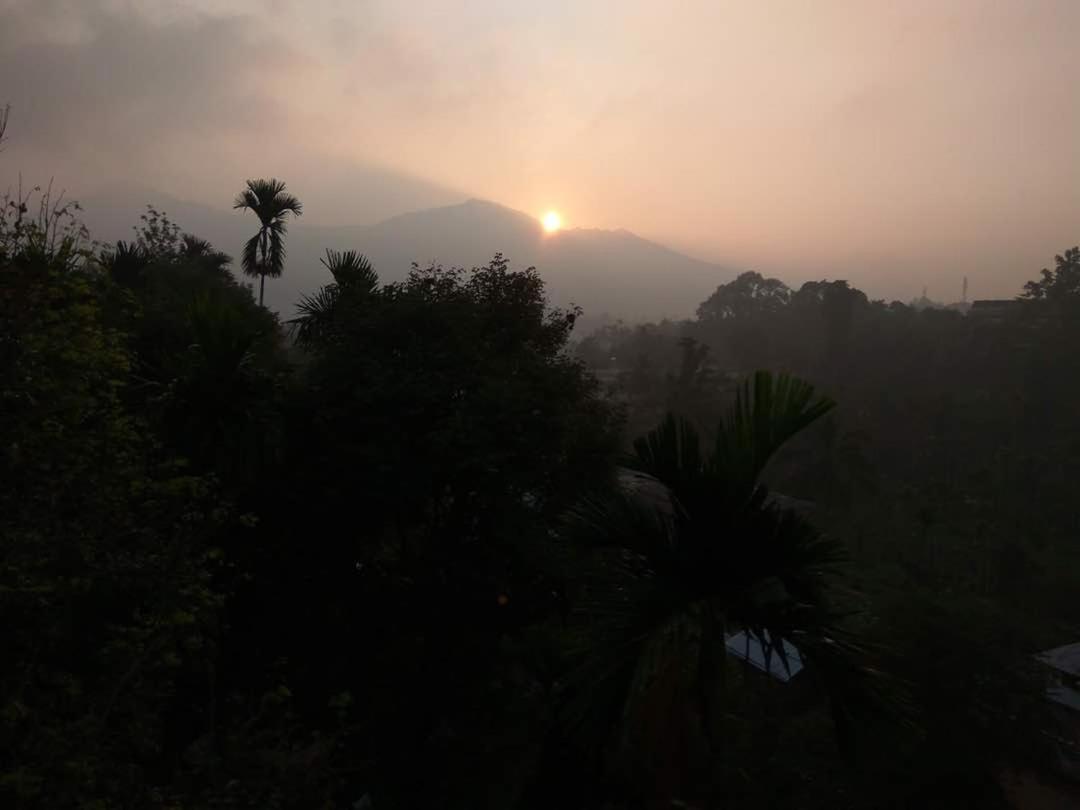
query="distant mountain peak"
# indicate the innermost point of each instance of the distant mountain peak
(607, 271)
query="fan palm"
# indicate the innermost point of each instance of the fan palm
(353, 274)
(264, 253)
(692, 550)
(126, 263)
(195, 249)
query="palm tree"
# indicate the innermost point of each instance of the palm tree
(264, 253)
(693, 550)
(126, 263)
(353, 275)
(200, 251)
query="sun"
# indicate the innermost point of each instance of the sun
(552, 221)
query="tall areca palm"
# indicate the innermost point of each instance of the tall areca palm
(697, 552)
(264, 253)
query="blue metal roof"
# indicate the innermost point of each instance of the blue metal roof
(783, 662)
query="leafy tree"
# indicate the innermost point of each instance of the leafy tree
(440, 430)
(106, 557)
(207, 357)
(157, 236)
(947, 473)
(46, 229)
(264, 253)
(697, 391)
(1060, 284)
(750, 295)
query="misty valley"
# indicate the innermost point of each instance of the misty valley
(729, 461)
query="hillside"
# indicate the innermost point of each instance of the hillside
(611, 274)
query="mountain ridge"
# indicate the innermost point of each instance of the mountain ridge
(611, 273)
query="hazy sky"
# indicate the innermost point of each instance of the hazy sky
(892, 143)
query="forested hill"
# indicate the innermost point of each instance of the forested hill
(610, 274)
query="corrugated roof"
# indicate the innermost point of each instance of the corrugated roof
(1065, 658)
(766, 657)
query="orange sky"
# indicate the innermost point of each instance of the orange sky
(896, 144)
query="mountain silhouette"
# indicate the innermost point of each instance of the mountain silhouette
(609, 273)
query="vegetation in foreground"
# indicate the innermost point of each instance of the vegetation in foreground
(386, 554)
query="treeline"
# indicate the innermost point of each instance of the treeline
(948, 469)
(966, 418)
(405, 550)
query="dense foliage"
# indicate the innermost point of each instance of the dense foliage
(947, 470)
(406, 550)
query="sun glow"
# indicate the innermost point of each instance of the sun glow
(552, 221)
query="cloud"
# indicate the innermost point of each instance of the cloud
(94, 79)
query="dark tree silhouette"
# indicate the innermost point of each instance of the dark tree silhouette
(264, 253)
(1059, 284)
(353, 275)
(198, 250)
(700, 553)
(748, 295)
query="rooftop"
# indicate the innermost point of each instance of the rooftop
(1064, 659)
(783, 662)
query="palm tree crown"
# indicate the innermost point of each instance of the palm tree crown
(696, 550)
(202, 252)
(264, 253)
(353, 276)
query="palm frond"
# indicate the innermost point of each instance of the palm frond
(269, 200)
(126, 263)
(246, 199)
(249, 258)
(627, 630)
(288, 204)
(351, 269)
(672, 453)
(195, 249)
(768, 411)
(314, 314)
(702, 551)
(274, 260)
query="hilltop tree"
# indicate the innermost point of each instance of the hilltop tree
(749, 295)
(264, 253)
(834, 304)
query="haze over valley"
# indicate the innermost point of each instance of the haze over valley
(895, 145)
(531, 404)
